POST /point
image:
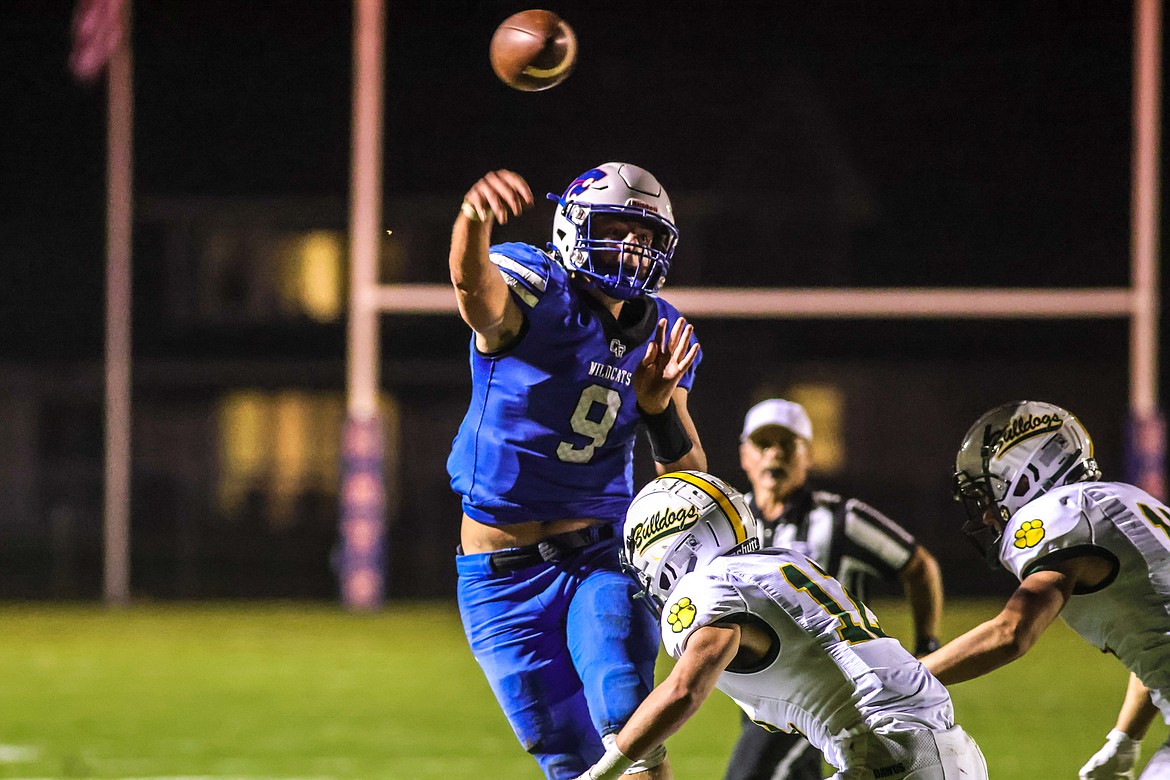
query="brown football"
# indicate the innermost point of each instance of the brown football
(533, 50)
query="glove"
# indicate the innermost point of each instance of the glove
(1115, 760)
(611, 765)
(926, 645)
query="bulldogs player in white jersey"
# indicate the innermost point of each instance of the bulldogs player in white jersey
(851, 540)
(1095, 553)
(782, 638)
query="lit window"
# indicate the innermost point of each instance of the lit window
(311, 270)
(264, 274)
(275, 448)
(825, 405)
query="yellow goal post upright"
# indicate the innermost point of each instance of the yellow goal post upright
(362, 487)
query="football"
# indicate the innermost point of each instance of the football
(533, 50)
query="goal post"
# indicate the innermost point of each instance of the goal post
(1139, 303)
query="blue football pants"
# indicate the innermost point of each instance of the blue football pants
(568, 655)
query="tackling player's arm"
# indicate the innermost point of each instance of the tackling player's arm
(708, 652)
(1030, 610)
(696, 457)
(1137, 711)
(484, 301)
(922, 583)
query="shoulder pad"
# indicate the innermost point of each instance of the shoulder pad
(527, 270)
(699, 599)
(665, 307)
(1054, 521)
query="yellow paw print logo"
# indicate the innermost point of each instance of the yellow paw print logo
(1029, 534)
(682, 614)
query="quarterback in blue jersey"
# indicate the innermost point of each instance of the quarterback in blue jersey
(571, 351)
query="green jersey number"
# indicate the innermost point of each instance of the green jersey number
(598, 430)
(856, 623)
(1159, 518)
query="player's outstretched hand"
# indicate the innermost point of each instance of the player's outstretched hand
(663, 365)
(1115, 760)
(499, 195)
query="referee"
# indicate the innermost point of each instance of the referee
(847, 538)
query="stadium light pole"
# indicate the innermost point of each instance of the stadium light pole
(363, 489)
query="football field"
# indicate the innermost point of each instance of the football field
(309, 691)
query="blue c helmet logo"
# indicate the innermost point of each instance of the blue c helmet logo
(584, 182)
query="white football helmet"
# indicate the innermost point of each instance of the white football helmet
(1013, 454)
(623, 189)
(678, 522)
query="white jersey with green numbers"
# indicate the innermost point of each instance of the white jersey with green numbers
(836, 677)
(1129, 613)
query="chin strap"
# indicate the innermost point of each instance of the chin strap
(649, 602)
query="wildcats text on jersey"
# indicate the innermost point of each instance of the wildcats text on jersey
(613, 374)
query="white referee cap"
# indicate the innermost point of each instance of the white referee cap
(777, 411)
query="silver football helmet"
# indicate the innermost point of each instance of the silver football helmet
(628, 191)
(678, 522)
(1013, 454)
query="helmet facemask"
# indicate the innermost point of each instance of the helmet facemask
(985, 515)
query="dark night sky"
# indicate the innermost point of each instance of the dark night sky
(980, 143)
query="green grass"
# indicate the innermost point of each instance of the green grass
(284, 691)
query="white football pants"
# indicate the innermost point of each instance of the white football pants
(1159, 766)
(959, 758)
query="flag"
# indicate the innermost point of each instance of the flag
(98, 29)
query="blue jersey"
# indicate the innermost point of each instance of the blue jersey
(549, 434)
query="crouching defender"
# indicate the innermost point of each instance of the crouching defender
(782, 638)
(1095, 553)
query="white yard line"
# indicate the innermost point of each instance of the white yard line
(18, 754)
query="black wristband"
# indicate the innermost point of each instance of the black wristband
(669, 440)
(925, 645)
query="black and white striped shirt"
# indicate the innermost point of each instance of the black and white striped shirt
(846, 537)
